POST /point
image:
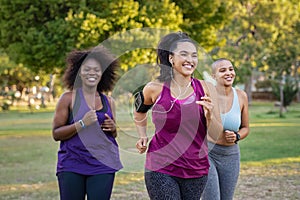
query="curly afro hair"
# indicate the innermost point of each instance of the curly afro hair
(108, 62)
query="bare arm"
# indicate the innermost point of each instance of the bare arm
(60, 129)
(244, 129)
(150, 92)
(214, 122)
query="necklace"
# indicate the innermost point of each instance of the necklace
(173, 101)
(179, 88)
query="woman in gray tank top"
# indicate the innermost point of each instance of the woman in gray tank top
(224, 153)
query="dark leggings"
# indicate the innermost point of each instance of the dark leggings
(165, 187)
(73, 186)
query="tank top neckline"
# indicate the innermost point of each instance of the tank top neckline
(103, 101)
(234, 102)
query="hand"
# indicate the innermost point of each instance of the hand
(141, 144)
(230, 136)
(207, 106)
(90, 117)
(108, 124)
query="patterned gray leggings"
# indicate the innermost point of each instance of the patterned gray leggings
(165, 187)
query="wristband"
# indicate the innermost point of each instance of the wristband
(81, 124)
(238, 137)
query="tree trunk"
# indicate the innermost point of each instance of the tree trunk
(297, 80)
(281, 97)
(248, 89)
(51, 87)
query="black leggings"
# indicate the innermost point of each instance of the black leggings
(165, 187)
(73, 186)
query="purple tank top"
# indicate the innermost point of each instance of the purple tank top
(91, 151)
(179, 146)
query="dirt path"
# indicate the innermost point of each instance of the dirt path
(257, 182)
(271, 181)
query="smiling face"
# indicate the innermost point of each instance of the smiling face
(223, 72)
(90, 73)
(184, 58)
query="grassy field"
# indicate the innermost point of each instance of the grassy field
(270, 156)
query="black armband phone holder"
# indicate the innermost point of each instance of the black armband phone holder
(139, 103)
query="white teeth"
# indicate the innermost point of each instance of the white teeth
(91, 79)
(188, 66)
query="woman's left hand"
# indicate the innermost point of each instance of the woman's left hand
(230, 136)
(207, 106)
(108, 124)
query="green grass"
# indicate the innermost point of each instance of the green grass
(28, 152)
(271, 137)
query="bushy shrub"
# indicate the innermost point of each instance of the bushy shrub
(290, 90)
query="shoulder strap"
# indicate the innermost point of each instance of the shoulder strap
(108, 104)
(77, 102)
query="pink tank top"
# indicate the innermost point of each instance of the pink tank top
(179, 146)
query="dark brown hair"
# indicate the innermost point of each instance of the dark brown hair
(109, 65)
(165, 48)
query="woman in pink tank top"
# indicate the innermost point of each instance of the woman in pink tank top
(176, 162)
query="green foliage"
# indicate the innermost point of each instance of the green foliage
(290, 90)
(256, 35)
(122, 32)
(203, 19)
(40, 37)
(265, 84)
(5, 106)
(20, 77)
(261, 36)
(45, 31)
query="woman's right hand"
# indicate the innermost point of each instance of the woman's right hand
(141, 144)
(90, 117)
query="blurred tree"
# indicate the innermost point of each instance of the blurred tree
(261, 37)
(131, 29)
(203, 19)
(45, 31)
(35, 33)
(282, 56)
(12, 74)
(289, 90)
(17, 82)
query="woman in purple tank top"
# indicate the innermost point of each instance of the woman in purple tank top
(84, 123)
(176, 161)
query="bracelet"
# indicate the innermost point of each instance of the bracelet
(81, 124)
